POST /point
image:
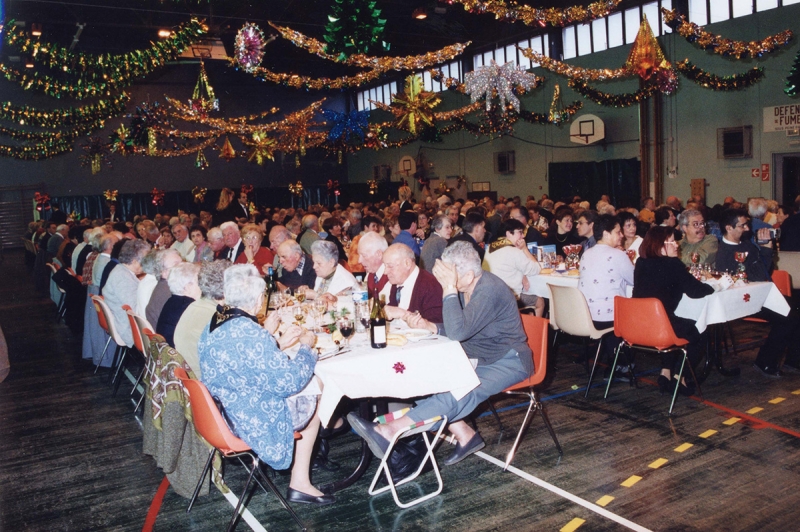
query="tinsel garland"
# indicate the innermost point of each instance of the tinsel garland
(793, 79)
(532, 16)
(611, 100)
(38, 151)
(118, 70)
(55, 118)
(28, 136)
(569, 71)
(720, 83)
(79, 89)
(720, 45)
(354, 27)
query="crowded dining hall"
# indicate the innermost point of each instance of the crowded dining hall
(399, 265)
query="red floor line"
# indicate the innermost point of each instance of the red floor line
(155, 506)
(757, 423)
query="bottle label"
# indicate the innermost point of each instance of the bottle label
(379, 334)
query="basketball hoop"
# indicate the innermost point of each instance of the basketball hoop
(587, 129)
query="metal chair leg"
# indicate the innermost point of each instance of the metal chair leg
(496, 416)
(552, 432)
(278, 494)
(525, 423)
(680, 375)
(120, 370)
(240, 504)
(613, 367)
(594, 366)
(112, 375)
(202, 477)
(103, 355)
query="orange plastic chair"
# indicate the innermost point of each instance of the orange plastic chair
(108, 324)
(658, 336)
(536, 329)
(142, 344)
(101, 318)
(210, 424)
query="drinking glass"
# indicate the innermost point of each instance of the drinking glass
(346, 328)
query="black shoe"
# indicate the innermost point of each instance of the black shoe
(686, 390)
(473, 446)
(293, 495)
(793, 367)
(769, 371)
(663, 384)
(377, 443)
(333, 432)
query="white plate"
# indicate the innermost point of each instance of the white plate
(415, 335)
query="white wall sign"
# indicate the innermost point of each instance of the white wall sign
(781, 117)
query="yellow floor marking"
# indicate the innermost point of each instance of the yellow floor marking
(573, 525)
(658, 463)
(604, 500)
(708, 433)
(755, 410)
(631, 481)
(777, 400)
(796, 392)
(731, 421)
(683, 447)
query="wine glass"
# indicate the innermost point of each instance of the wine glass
(740, 257)
(346, 328)
(299, 314)
(300, 296)
(319, 312)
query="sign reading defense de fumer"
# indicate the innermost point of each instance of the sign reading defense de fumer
(781, 117)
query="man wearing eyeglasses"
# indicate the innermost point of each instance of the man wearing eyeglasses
(695, 239)
(784, 330)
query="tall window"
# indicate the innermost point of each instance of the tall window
(381, 94)
(449, 70)
(511, 54)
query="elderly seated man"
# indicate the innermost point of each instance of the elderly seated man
(233, 241)
(248, 369)
(695, 240)
(296, 268)
(183, 244)
(195, 318)
(480, 312)
(413, 291)
(370, 254)
(185, 290)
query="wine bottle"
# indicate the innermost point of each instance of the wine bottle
(377, 323)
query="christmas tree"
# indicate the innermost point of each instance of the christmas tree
(355, 27)
(793, 81)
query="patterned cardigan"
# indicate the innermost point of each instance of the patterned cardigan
(242, 365)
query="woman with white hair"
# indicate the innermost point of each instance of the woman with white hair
(480, 312)
(185, 290)
(245, 366)
(123, 282)
(332, 277)
(436, 242)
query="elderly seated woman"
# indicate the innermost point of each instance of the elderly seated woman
(253, 252)
(202, 249)
(480, 312)
(123, 284)
(185, 290)
(258, 383)
(332, 277)
(436, 242)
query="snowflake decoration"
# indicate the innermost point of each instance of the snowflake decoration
(415, 106)
(249, 47)
(399, 367)
(347, 127)
(491, 80)
(263, 148)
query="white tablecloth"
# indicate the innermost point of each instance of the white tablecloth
(731, 304)
(416, 369)
(539, 283)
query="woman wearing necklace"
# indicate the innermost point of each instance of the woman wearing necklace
(562, 235)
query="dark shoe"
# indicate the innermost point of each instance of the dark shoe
(293, 495)
(793, 367)
(473, 446)
(769, 371)
(377, 443)
(686, 390)
(663, 384)
(333, 432)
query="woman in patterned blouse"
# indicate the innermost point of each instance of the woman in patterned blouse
(259, 385)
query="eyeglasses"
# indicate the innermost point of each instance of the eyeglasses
(697, 225)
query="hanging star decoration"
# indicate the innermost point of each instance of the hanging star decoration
(95, 154)
(347, 127)
(110, 195)
(227, 152)
(263, 148)
(199, 194)
(557, 113)
(201, 162)
(157, 196)
(500, 81)
(415, 106)
(203, 99)
(249, 47)
(646, 56)
(120, 140)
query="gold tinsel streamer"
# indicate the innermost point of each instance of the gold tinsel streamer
(570, 71)
(531, 16)
(720, 45)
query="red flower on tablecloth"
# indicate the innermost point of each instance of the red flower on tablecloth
(747, 298)
(399, 367)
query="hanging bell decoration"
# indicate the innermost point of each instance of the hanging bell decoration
(201, 162)
(227, 152)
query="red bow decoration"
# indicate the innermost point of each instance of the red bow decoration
(158, 196)
(399, 367)
(42, 201)
(746, 298)
(247, 189)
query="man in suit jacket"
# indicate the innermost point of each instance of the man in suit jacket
(370, 254)
(233, 239)
(296, 268)
(241, 210)
(412, 290)
(474, 231)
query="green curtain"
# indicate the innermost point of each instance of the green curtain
(618, 178)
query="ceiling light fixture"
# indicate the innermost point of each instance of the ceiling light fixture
(420, 13)
(29, 63)
(36, 30)
(164, 33)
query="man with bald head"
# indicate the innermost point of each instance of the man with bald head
(371, 246)
(295, 266)
(412, 291)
